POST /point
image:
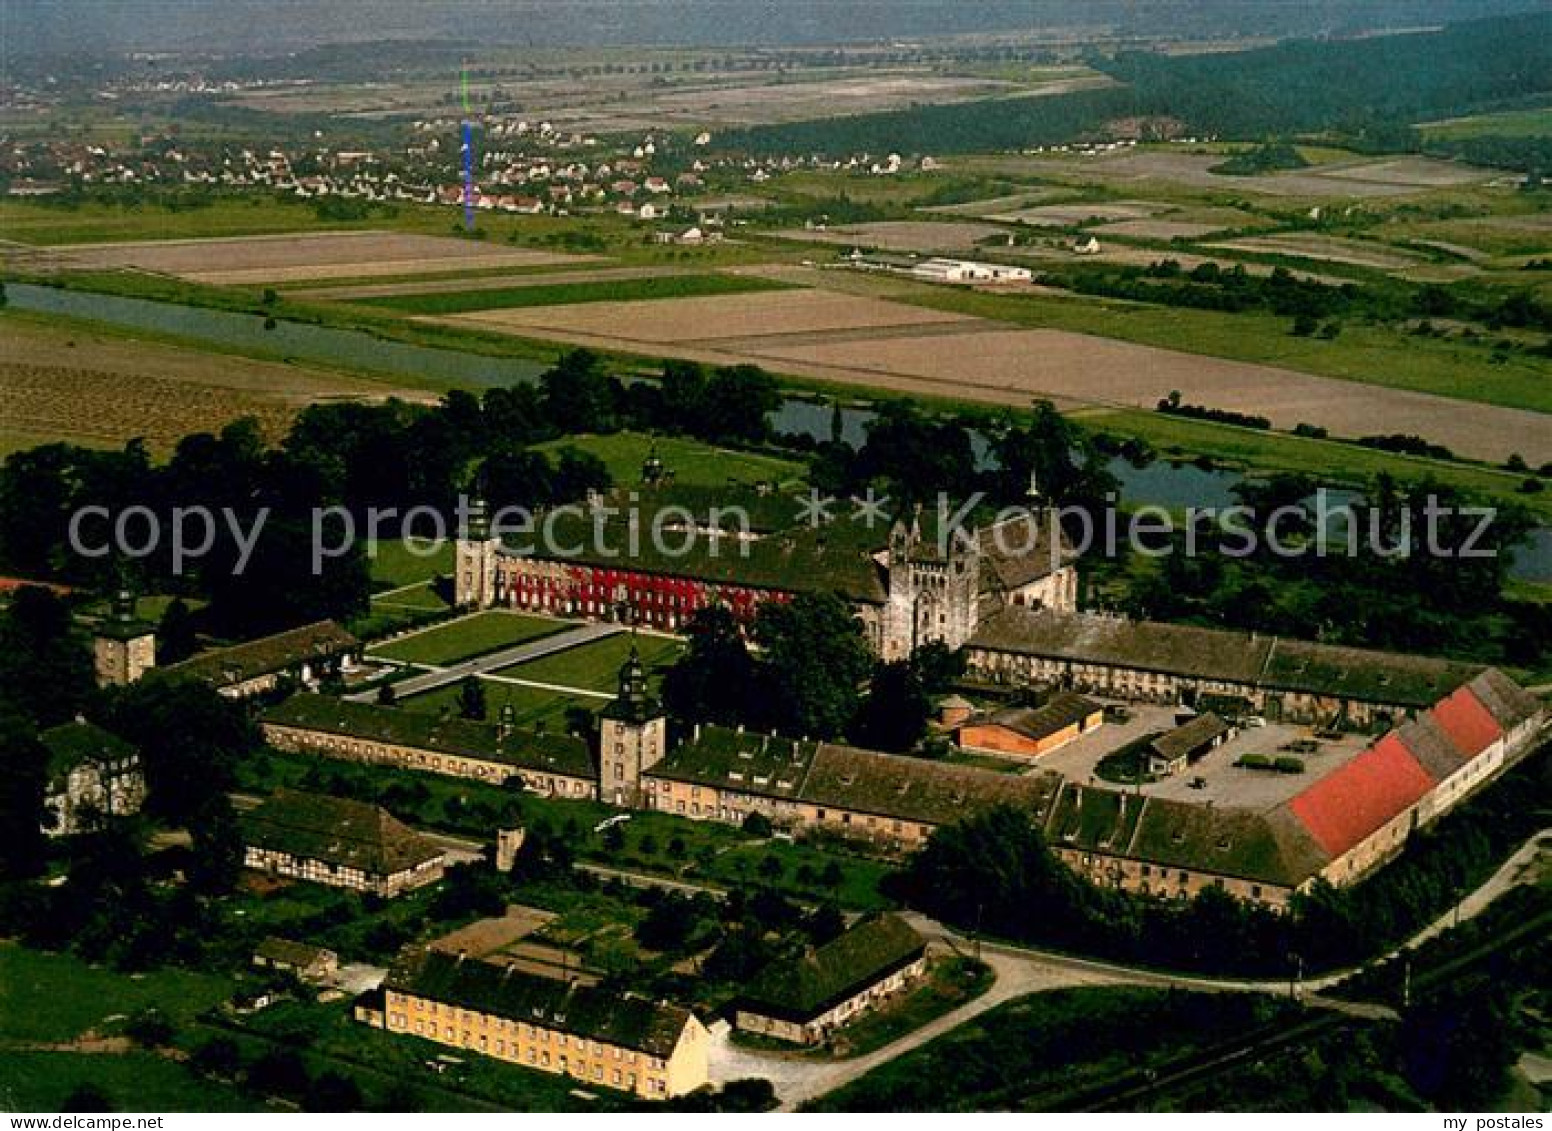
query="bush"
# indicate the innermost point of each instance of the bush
(1288, 765)
(757, 824)
(1254, 762)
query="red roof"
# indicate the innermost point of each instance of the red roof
(1345, 807)
(1467, 722)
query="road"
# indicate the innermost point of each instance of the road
(1018, 971)
(435, 677)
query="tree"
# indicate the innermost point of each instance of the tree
(87, 1097)
(216, 859)
(1457, 1047)
(712, 681)
(23, 783)
(190, 739)
(175, 636)
(894, 714)
(471, 698)
(578, 395)
(387, 696)
(333, 1091)
(814, 661)
(45, 668)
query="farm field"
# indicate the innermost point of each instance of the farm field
(700, 319)
(1071, 215)
(901, 235)
(500, 279)
(1333, 249)
(308, 256)
(133, 1081)
(51, 224)
(468, 637)
(1505, 123)
(692, 462)
(596, 666)
(71, 382)
(537, 293)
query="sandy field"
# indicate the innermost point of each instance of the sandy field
(301, 258)
(902, 235)
(664, 321)
(874, 342)
(1414, 172)
(104, 390)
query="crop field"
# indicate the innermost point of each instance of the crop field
(901, 235)
(692, 462)
(697, 319)
(1332, 249)
(1071, 215)
(1011, 366)
(306, 257)
(467, 637)
(472, 281)
(1158, 229)
(641, 289)
(1505, 123)
(64, 382)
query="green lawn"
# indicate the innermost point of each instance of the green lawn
(469, 636)
(399, 562)
(693, 462)
(596, 666)
(138, 1081)
(569, 294)
(534, 706)
(253, 214)
(56, 997)
(411, 597)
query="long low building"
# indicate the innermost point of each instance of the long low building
(307, 655)
(1345, 822)
(597, 1037)
(1150, 661)
(340, 843)
(560, 765)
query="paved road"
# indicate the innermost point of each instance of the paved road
(1018, 971)
(435, 677)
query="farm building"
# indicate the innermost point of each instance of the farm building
(1032, 731)
(1172, 752)
(92, 774)
(806, 998)
(309, 963)
(306, 655)
(340, 843)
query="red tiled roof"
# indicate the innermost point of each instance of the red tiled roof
(1469, 724)
(1345, 807)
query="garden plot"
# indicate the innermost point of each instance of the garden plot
(917, 236)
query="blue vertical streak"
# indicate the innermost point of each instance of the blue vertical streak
(468, 175)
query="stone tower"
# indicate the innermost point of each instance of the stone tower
(632, 737)
(124, 647)
(474, 569)
(933, 589)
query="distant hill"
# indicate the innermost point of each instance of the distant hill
(1291, 87)
(269, 26)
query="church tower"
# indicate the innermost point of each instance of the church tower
(124, 646)
(632, 737)
(933, 589)
(474, 570)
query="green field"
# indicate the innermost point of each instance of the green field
(568, 294)
(138, 1081)
(57, 997)
(399, 562)
(1536, 122)
(596, 666)
(411, 597)
(469, 636)
(692, 462)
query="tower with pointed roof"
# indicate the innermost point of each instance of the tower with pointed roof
(474, 561)
(124, 646)
(632, 736)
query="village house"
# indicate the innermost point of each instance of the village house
(307, 962)
(337, 842)
(92, 775)
(597, 1037)
(805, 999)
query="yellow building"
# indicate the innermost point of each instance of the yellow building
(1029, 732)
(600, 1038)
